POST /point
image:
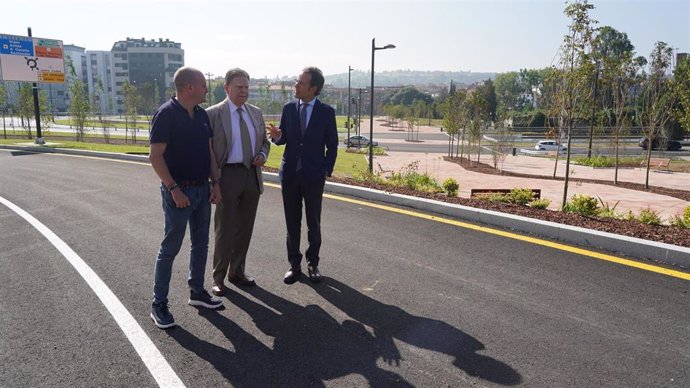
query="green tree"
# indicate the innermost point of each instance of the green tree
(79, 107)
(488, 93)
(509, 93)
(3, 107)
(131, 96)
(656, 102)
(681, 88)
(575, 93)
(406, 96)
(477, 115)
(609, 48)
(614, 57)
(26, 106)
(453, 117)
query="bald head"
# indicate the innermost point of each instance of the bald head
(185, 76)
(190, 85)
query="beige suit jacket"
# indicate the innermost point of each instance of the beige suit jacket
(219, 117)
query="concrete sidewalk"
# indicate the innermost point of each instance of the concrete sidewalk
(635, 200)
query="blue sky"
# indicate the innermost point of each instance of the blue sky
(277, 38)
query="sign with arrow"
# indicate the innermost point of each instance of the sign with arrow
(29, 59)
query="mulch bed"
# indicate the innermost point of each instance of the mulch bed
(660, 233)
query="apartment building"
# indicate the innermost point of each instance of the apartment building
(146, 64)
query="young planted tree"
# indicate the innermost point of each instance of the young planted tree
(657, 100)
(681, 88)
(451, 108)
(618, 74)
(79, 107)
(3, 107)
(131, 102)
(477, 116)
(574, 94)
(26, 106)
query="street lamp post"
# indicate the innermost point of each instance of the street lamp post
(371, 102)
(349, 104)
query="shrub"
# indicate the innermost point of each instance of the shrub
(649, 217)
(583, 205)
(629, 216)
(410, 178)
(495, 197)
(451, 187)
(679, 222)
(607, 211)
(595, 161)
(369, 177)
(686, 215)
(542, 203)
(521, 196)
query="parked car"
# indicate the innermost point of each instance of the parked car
(359, 141)
(670, 145)
(549, 145)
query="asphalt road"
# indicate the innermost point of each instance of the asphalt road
(406, 301)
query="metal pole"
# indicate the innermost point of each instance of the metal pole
(349, 105)
(37, 109)
(371, 109)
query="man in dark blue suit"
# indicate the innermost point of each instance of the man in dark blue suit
(308, 130)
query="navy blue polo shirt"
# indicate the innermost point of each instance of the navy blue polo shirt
(187, 152)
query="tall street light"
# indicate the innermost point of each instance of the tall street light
(371, 104)
(349, 104)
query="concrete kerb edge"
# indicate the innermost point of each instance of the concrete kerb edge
(629, 246)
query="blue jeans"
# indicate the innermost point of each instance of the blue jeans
(198, 214)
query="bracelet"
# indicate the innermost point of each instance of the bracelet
(213, 182)
(173, 187)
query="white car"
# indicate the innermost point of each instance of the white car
(549, 145)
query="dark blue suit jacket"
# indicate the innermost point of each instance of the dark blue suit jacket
(317, 149)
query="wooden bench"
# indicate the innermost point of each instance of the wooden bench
(657, 163)
(474, 193)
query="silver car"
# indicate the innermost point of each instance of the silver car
(359, 141)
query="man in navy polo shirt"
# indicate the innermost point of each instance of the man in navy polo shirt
(182, 156)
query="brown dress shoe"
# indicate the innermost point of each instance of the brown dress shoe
(241, 279)
(218, 290)
(292, 275)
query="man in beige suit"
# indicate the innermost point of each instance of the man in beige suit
(241, 148)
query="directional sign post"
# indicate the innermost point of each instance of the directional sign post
(34, 60)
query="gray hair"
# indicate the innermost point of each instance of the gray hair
(236, 72)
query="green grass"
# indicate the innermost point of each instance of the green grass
(141, 124)
(142, 148)
(347, 164)
(62, 136)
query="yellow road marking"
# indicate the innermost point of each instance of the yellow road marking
(484, 229)
(514, 236)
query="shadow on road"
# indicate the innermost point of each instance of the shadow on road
(391, 322)
(311, 347)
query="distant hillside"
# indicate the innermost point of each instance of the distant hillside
(361, 79)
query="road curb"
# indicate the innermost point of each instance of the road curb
(628, 246)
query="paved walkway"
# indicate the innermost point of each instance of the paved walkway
(635, 200)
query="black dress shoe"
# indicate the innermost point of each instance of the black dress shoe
(218, 290)
(292, 275)
(241, 279)
(314, 274)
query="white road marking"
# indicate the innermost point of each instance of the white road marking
(153, 359)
